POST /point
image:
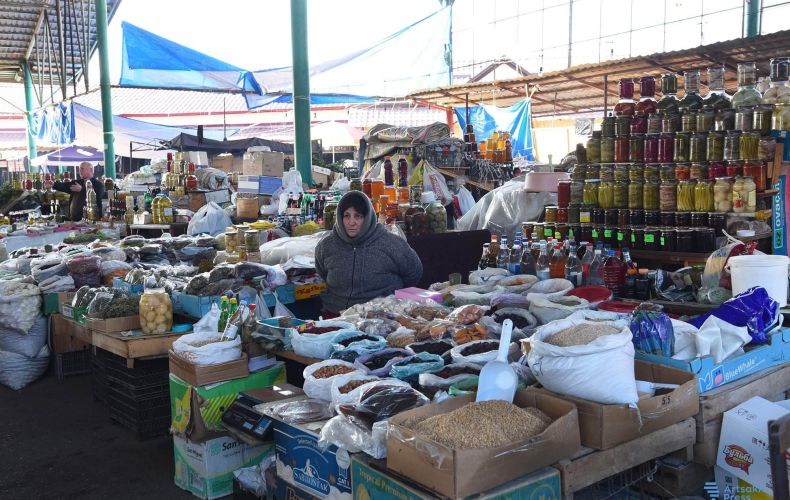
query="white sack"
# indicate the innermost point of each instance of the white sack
(321, 388)
(17, 371)
(547, 308)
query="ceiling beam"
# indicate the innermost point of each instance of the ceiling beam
(40, 20)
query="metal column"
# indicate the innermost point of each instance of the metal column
(106, 90)
(301, 94)
(31, 142)
(753, 17)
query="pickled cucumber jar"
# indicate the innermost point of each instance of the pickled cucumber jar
(698, 171)
(705, 120)
(732, 143)
(606, 173)
(593, 171)
(744, 195)
(697, 147)
(688, 122)
(356, 184)
(685, 195)
(654, 123)
(607, 126)
(651, 172)
(621, 172)
(579, 172)
(635, 195)
(606, 194)
(681, 147)
(590, 196)
(620, 194)
(715, 146)
(636, 172)
(607, 150)
(650, 195)
(329, 215)
(722, 194)
(594, 147)
(636, 148)
(668, 195)
(703, 196)
(156, 311)
(577, 192)
(748, 145)
(667, 171)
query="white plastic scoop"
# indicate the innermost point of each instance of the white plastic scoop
(497, 379)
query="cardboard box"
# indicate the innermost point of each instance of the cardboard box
(110, 325)
(53, 301)
(372, 481)
(63, 338)
(743, 446)
(605, 426)
(286, 491)
(322, 175)
(228, 163)
(200, 375)
(731, 487)
(74, 313)
(206, 469)
(267, 163)
(198, 199)
(196, 412)
(461, 473)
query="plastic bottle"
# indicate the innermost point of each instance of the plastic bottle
(514, 261)
(504, 254)
(573, 266)
(595, 277)
(587, 260)
(233, 306)
(224, 313)
(535, 250)
(543, 271)
(527, 265)
(484, 257)
(558, 260)
(613, 274)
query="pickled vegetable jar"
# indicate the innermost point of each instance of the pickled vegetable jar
(715, 146)
(717, 169)
(550, 214)
(606, 194)
(356, 184)
(579, 172)
(636, 148)
(749, 145)
(761, 119)
(744, 119)
(621, 172)
(650, 195)
(577, 192)
(635, 195)
(654, 121)
(703, 196)
(734, 169)
(622, 125)
(156, 311)
(681, 147)
(767, 148)
(697, 147)
(591, 192)
(682, 171)
(705, 120)
(670, 123)
(686, 195)
(725, 120)
(593, 171)
(667, 171)
(417, 222)
(606, 172)
(650, 148)
(722, 194)
(437, 217)
(563, 193)
(668, 195)
(607, 126)
(636, 172)
(594, 147)
(651, 172)
(689, 122)
(744, 195)
(666, 151)
(698, 171)
(757, 170)
(620, 194)
(231, 240)
(732, 145)
(607, 150)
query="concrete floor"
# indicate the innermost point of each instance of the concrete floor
(56, 442)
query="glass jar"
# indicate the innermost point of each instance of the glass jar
(650, 148)
(621, 148)
(635, 195)
(717, 169)
(668, 218)
(697, 147)
(586, 232)
(252, 240)
(419, 225)
(670, 123)
(734, 168)
(621, 172)
(366, 188)
(593, 171)
(688, 122)
(623, 217)
(606, 172)
(585, 214)
(722, 194)
(714, 150)
(704, 239)
(699, 219)
(606, 194)
(622, 125)
(654, 121)
(749, 145)
(651, 238)
(563, 193)
(761, 119)
(667, 195)
(652, 217)
(686, 195)
(620, 194)
(437, 217)
(550, 213)
(650, 197)
(681, 147)
(637, 217)
(767, 148)
(667, 171)
(744, 119)
(330, 210)
(611, 216)
(682, 171)
(598, 216)
(667, 240)
(698, 171)
(703, 196)
(591, 192)
(579, 172)
(636, 172)
(780, 119)
(607, 126)
(682, 219)
(156, 311)
(705, 120)
(231, 240)
(651, 172)
(732, 143)
(684, 240)
(744, 195)
(573, 213)
(666, 151)
(577, 191)
(636, 148)
(593, 147)
(415, 195)
(725, 120)
(638, 124)
(757, 170)
(356, 184)
(718, 222)
(623, 237)
(607, 150)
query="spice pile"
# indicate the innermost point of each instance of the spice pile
(488, 424)
(580, 335)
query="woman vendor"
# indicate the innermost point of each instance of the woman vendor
(360, 260)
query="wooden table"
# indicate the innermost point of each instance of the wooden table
(294, 365)
(157, 230)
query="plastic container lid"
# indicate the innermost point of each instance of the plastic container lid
(744, 233)
(592, 293)
(617, 307)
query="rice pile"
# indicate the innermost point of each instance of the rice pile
(580, 334)
(487, 424)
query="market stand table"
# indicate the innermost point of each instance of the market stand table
(157, 230)
(442, 254)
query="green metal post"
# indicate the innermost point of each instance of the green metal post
(301, 95)
(753, 17)
(106, 90)
(31, 141)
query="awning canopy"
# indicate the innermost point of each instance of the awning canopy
(189, 142)
(335, 134)
(71, 156)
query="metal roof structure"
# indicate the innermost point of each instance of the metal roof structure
(593, 87)
(56, 37)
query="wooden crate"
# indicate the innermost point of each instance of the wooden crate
(589, 466)
(772, 384)
(131, 348)
(67, 336)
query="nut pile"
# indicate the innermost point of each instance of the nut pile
(487, 424)
(580, 334)
(332, 370)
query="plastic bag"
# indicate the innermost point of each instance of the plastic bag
(465, 200)
(19, 305)
(353, 387)
(85, 270)
(212, 179)
(380, 402)
(341, 432)
(210, 219)
(653, 331)
(549, 308)
(253, 479)
(716, 273)
(675, 286)
(280, 309)
(379, 363)
(519, 283)
(282, 250)
(359, 341)
(321, 388)
(17, 371)
(408, 369)
(29, 343)
(467, 314)
(114, 267)
(553, 287)
(754, 309)
(292, 184)
(401, 337)
(207, 348)
(443, 378)
(342, 184)
(525, 375)
(378, 326)
(302, 411)
(433, 180)
(488, 275)
(478, 352)
(317, 345)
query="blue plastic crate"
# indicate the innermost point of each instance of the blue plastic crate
(286, 294)
(711, 375)
(131, 289)
(193, 305)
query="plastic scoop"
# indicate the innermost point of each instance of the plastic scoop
(497, 378)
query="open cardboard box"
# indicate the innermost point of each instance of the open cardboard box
(199, 375)
(464, 472)
(111, 325)
(606, 426)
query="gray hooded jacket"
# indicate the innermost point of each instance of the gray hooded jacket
(374, 264)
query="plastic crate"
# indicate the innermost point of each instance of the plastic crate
(146, 429)
(98, 378)
(157, 386)
(193, 305)
(128, 287)
(151, 410)
(73, 363)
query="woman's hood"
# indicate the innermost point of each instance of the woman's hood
(369, 225)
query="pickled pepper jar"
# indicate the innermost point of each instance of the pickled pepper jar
(650, 195)
(591, 192)
(635, 195)
(703, 196)
(594, 147)
(685, 195)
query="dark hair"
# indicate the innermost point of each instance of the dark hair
(357, 201)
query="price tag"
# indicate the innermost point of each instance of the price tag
(607, 233)
(649, 238)
(547, 232)
(620, 236)
(594, 233)
(662, 241)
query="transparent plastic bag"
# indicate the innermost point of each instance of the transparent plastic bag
(380, 363)
(378, 326)
(302, 411)
(653, 331)
(408, 369)
(321, 387)
(380, 402)
(357, 342)
(448, 375)
(343, 433)
(716, 273)
(547, 308)
(478, 352)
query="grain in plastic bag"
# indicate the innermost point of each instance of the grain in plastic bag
(408, 369)
(319, 377)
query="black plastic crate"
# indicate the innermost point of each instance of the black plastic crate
(151, 399)
(98, 379)
(135, 379)
(141, 366)
(137, 392)
(139, 412)
(147, 429)
(72, 363)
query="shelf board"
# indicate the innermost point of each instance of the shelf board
(654, 255)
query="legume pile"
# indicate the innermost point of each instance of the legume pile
(580, 334)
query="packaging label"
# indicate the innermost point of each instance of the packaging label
(736, 456)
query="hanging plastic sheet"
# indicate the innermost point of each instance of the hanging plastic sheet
(486, 119)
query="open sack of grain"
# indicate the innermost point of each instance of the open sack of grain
(591, 360)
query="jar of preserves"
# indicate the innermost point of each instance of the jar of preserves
(666, 148)
(621, 172)
(573, 213)
(725, 120)
(330, 210)
(652, 217)
(744, 195)
(667, 195)
(606, 172)
(757, 170)
(670, 123)
(651, 172)
(722, 194)
(654, 121)
(748, 146)
(682, 219)
(622, 125)
(598, 216)
(667, 171)
(761, 119)
(577, 191)
(563, 193)
(638, 238)
(621, 148)
(682, 171)
(231, 240)
(717, 169)
(684, 240)
(593, 147)
(638, 125)
(356, 184)
(698, 144)
(437, 217)
(766, 149)
(681, 147)
(650, 148)
(590, 196)
(637, 217)
(635, 195)
(636, 148)
(732, 145)
(651, 238)
(579, 172)
(156, 311)
(688, 122)
(734, 168)
(650, 197)
(366, 188)
(703, 196)
(419, 225)
(718, 222)
(668, 218)
(620, 194)
(744, 119)
(686, 195)
(415, 195)
(562, 214)
(705, 120)
(607, 150)
(704, 239)
(607, 126)
(699, 171)
(623, 217)
(606, 194)
(714, 150)
(593, 171)
(550, 214)
(252, 240)
(700, 219)
(667, 240)
(636, 172)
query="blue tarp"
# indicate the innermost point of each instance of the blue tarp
(72, 155)
(516, 119)
(53, 125)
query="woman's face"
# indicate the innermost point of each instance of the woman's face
(352, 222)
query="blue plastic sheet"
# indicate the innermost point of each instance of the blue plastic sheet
(754, 309)
(53, 125)
(486, 119)
(653, 332)
(409, 369)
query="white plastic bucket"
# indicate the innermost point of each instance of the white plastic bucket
(767, 271)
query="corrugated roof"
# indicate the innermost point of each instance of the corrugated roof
(580, 89)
